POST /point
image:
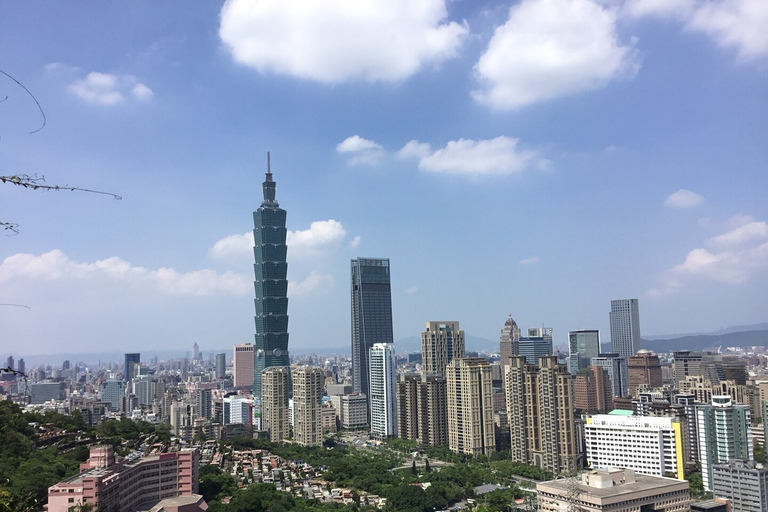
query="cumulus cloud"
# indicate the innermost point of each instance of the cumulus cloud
(56, 266)
(360, 151)
(355, 242)
(472, 157)
(530, 261)
(683, 199)
(737, 24)
(330, 41)
(733, 258)
(316, 280)
(106, 89)
(552, 48)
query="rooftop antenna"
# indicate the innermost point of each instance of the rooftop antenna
(269, 168)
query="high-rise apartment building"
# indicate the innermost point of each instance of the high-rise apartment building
(652, 446)
(540, 412)
(440, 344)
(644, 368)
(724, 434)
(422, 408)
(509, 340)
(383, 390)
(243, 365)
(583, 345)
(593, 392)
(371, 314)
(275, 417)
(307, 402)
(270, 283)
(221, 365)
(745, 484)
(470, 406)
(625, 327)
(131, 360)
(616, 367)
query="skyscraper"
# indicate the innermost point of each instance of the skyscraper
(271, 285)
(616, 366)
(625, 327)
(242, 365)
(383, 390)
(130, 361)
(221, 365)
(509, 340)
(371, 314)
(440, 344)
(470, 406)
(583, 345)
(538, 343)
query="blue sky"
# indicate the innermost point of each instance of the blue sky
(535, 158)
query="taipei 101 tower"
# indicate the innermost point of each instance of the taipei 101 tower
(270, 284)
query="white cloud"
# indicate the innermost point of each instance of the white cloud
(411, 290)
(552, 48)
(734, 258)
(316, 280)
(107, 90)
(738, 24)
(321, 234)
(473, 157)
(355, 242)
(56, 266)
(360, 151)
(233, 246)
(333, 41)
(530, 261)
(683, 199)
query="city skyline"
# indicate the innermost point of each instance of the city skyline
(626, 162)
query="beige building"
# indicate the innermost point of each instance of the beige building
(540, 412)
(509, 341)
(470, 406)
(440, 344)
(307, 402)
(275, 416)
(618, 490)
(328, 417)
(242, 364)
(422, 408)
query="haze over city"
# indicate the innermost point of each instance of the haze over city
(621, 154)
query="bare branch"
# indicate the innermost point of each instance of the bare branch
(10, 226)
(31, 96)
(37, 183)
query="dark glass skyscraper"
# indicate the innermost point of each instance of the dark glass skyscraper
(131, 360)
(270, 283)
(371, 315)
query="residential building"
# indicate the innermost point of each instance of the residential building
(243, 360)
(440, 344)
(652, 446)
(470, 407)
(643, 368)
(745, 484)
(271, 285)
(237, 410)
(275, 417)
(592, 390)
(371, 315)
(614, 490)
(509, 340)
(107, 485)
(616, 367)
(724, 434)
(540, 413)
(130, 361)
(307, 402)
(383, 388)
(422, 408)
(583, 345)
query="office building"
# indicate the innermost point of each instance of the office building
(592, 391)
(509, 340)
(745, 484)
(537, 344)
(112, 392)
(221, 366)
(371, 315)
(724, 434)
(644, 368)
(583, 345)
(237, 410)
(422, 408)
(470, 406)
(271, 284)
(243, 360)
(614, 490)
(652, 446)
(616, 367)
(440, 344)
(688, 363)
(625, 329)
(383, 388)
(540, 413)
(275, 417)
(353, 411)
(138, 481)
(131, 360)
(307, 403)
(46, 391)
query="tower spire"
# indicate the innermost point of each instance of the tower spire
(269, 168)
(268, 187)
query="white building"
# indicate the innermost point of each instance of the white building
(383, 386)
(647, 445)
(237, 409)
(725, 434)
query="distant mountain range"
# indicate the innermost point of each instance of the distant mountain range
(709, 341)
(728, 330)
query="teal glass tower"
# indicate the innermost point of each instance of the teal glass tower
(270, 283)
